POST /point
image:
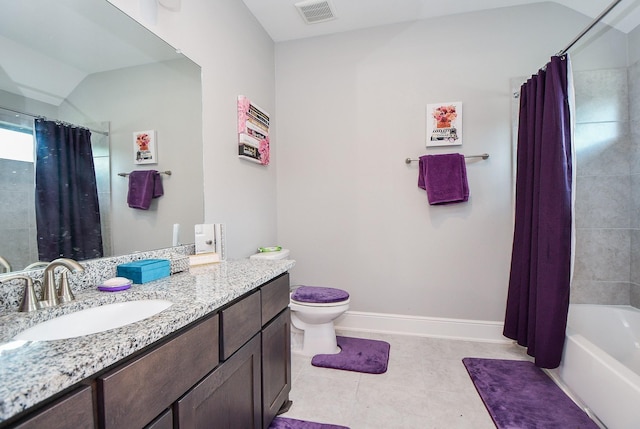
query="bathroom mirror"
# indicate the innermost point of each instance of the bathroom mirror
(87, 63)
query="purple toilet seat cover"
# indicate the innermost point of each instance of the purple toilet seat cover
(319, 295)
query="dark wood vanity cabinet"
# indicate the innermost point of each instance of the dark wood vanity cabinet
(242, 384)
(229, 370)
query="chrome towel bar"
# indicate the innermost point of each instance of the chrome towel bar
(483, 156)
(168, 173)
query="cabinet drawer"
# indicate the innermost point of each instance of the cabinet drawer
(72, 411)
(238, 323)
(275, 297)
(134, 394)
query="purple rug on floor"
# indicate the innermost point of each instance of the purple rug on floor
(287, 423)
(519, 395)
(357, 354)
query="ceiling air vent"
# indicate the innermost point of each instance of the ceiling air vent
(314, 11)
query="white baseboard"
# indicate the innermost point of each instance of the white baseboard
(459, 329)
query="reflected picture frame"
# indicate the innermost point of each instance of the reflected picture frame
(145, 147)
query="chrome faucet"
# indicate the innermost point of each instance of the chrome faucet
(4, 264)
(51, 297)
(36, 265)
(29, 301)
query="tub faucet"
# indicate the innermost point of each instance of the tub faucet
(51, 297)
(29, 301)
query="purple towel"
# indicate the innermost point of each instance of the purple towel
(143, 186)
(444, 177)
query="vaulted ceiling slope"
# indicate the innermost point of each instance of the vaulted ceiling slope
(283, 21)
(48, 47)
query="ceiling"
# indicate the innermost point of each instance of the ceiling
(281, 19)
(106, 40)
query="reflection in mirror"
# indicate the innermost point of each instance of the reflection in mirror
(85, 63)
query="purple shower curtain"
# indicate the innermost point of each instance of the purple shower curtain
(67, 210)
(538, 296)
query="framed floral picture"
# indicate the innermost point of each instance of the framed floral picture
(444, 124)
(144, 147)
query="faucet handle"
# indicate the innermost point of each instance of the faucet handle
(64, 291)
(29, 300)
(49, 294)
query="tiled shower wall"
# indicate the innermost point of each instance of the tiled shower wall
(634, 155)
(17, 229)
(607, 265)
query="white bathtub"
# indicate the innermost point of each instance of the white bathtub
(601, 362)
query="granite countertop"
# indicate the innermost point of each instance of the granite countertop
(31, 372)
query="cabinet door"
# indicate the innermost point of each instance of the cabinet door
(229, 397)
(164, 421)
(74, 411)
(276, 366)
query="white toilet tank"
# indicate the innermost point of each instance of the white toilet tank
(278, 254)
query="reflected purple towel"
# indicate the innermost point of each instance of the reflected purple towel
(444, 177)
(143, 186)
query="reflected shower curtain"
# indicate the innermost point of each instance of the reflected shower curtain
(67, 211)
(538, 296)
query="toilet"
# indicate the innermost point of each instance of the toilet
(313, 310)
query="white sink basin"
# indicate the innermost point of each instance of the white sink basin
(94, 320)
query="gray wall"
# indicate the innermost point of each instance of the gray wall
(347, 205)
(351, 107)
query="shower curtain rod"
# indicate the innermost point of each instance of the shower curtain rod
(589, 27)
(104, 133)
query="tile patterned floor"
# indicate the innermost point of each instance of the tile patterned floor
(426, 386)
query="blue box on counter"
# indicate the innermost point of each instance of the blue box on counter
(145, 270)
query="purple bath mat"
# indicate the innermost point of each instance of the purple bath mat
(357, 354)
(519, 395)
(287, 423)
